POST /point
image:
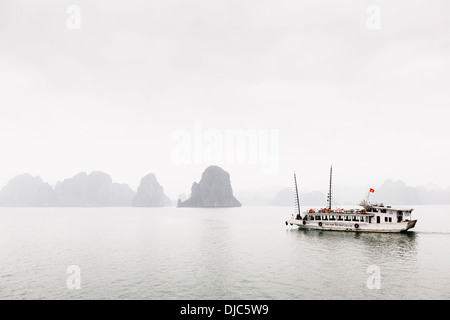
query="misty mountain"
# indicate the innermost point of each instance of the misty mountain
(122, 195)
(286, 197)
(98, 190)
(434, 196)
(213, 190)
(150, 193)
(257, 196)
(397, 192)
(277, 196)
(390, 193)
(94, 190)
(26, 191)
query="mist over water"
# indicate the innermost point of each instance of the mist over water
(107, 106)
(171, 87)
(229, 253)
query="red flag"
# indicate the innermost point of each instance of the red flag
(372, 190)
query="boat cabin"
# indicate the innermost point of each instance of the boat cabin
(371, 213)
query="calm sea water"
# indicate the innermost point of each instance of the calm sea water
(239, 253)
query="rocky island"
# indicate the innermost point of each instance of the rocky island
(26, 191)
(82, 190)
(214, 190)
(150, 193)
(92, 190)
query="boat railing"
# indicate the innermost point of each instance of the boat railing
(336, 211)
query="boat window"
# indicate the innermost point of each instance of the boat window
(332, 218)
(375, 210)
(317, 217)
(355, 218)
(347, 218)
(390, 219)
(369, 210)
(383, 210)
(378, 219)
(385, 219)
(340, 218)
(324, 218)
(362, 219)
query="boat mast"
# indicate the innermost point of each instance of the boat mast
(296, 195)
(329, 192)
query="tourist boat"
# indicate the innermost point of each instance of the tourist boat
(370, 217)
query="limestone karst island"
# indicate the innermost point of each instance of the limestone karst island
(213, 191)
(97, 189)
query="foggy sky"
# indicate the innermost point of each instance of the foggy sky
(111, 95)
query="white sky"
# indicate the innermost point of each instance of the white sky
(109, 97)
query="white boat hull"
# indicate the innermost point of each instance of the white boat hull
(353, 226)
